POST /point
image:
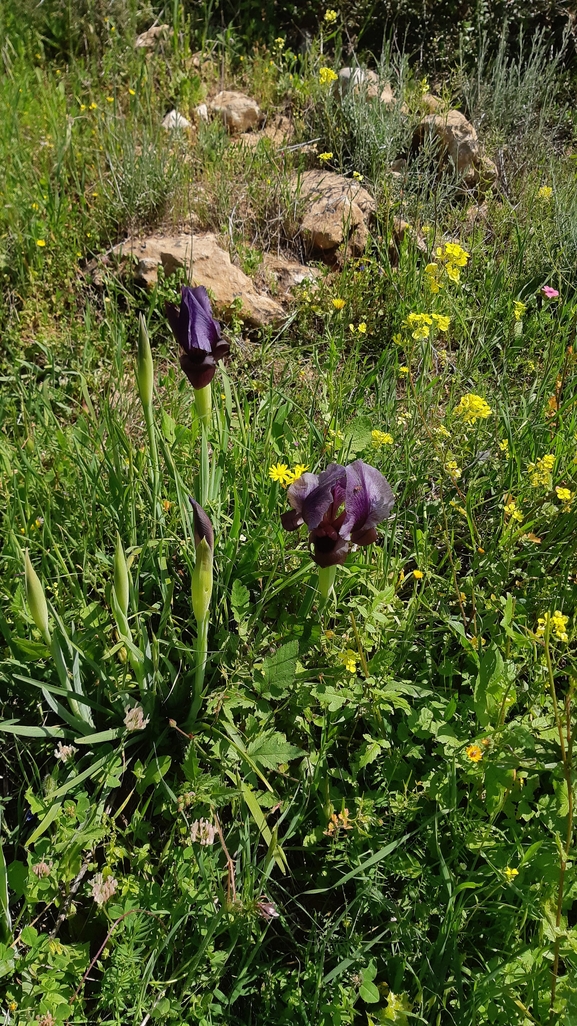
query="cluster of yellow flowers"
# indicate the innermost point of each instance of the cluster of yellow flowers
(326, 76)
(338, 304)
(545, 193)
(453, 257)
(325, 156)
(519, 309)
(420, 324)
(361, 328)
(555, 624)
(472, 408)
(349, 659)
(540, 471)
(381, 438)
(281, 473)
(330, 16)
(565, 495)
(453, 470)
(513, 511)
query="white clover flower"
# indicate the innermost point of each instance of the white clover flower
(65, 752)
(134, 719)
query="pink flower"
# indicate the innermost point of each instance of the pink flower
(549, 292)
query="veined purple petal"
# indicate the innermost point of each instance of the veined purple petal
(201, 297)
(203, 332)
(299, 490)
(330, 489)
(369, 500)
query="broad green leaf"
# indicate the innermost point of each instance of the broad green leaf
(272, 749)
(279, 670)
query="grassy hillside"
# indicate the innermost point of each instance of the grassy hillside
(361, 809)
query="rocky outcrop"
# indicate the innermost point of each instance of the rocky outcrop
(456, 144)
(206, 263)
(364, 83)
(337, 213)
(238, 112)
(175, 122)
(149, 40)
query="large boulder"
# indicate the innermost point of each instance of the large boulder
(175, 122)
(206, 263)
(238, 112)
(149, 39)
(454, 137)
(337, 210)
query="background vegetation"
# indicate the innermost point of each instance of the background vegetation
(373, 818)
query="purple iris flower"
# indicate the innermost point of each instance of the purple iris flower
(341, 507)
(198, 335)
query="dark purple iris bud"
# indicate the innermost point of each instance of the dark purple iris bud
(341, 508)
(198, 335)
(201, 525)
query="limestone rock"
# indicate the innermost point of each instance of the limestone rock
(337, 210)
(432, 104)
(175, 122)
(358, 81)
(284, 274)
(280, 131)
(455, 136)
(149, 39)
(238, 111)
(201, 112)
(206, 264)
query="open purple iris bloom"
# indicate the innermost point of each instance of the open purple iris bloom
(198, 335)
(341, 507)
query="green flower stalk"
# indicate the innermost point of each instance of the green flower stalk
(202, 580)
(145, 383)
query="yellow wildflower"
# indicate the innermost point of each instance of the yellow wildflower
(472, 408)
(362, 328)
(325, 156)
(540, 471)
(330, 16)
(293, 475)
(510, 873)
(454, 254)
(419, 324)
(110, 99)
(381, 438)
(338, 304)
(280, 473)
(545, 193)
(326, 76)
(474, 753)
(403, 370)
(453, 470)
(504, 446)
(557, 624)
(418, 575)
(442, 322)
(93, 106)
(442, 431)
(519, 309)
(565, 495)
(41, 243)
(512, 511)
(350, 660)
(434, 283)
(132, 92)
(398, 339)
(357, 176)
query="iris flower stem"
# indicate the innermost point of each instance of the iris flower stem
(203, 404)
(327, 576)
(154, 464)
(201, 656)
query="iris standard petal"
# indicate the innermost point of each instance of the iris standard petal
(369, 499)
(318, 501)
(299, 490)
(203, 332)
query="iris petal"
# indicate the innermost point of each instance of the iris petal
(319, 501)
(369, 499)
